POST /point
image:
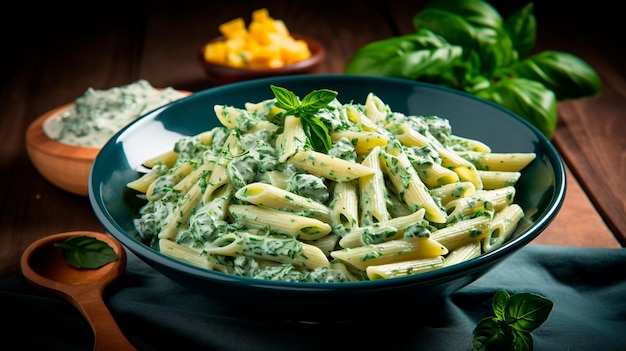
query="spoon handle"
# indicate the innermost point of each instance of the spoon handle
(107, 334)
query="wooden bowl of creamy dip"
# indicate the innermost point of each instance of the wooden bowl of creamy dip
(64, 165)
(66, 159)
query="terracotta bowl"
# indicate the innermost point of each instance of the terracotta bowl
(64, 165)
(222, 74)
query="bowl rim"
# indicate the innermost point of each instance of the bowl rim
(318, 54)
(439, 275)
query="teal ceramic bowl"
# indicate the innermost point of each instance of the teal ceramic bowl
(540, 192)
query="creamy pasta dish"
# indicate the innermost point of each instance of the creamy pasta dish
(394, 195)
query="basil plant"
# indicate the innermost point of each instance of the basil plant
(467, 45)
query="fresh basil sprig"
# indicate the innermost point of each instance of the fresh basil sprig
(516, 316)
(84, 251)
(315, 130)
(467, 45)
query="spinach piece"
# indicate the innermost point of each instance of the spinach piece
(515, 317)
(316, 131)
(84, 251)
(467, 45)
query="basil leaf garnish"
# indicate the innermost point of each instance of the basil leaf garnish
(84, 251)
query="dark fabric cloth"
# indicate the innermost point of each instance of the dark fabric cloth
(587, 286)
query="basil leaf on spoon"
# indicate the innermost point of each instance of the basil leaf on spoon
(86, 252)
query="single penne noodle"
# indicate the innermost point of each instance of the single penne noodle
(449, 159)
(410, 187)
(358, 118)
(261, 217)
(292, 139)
(329, 167)
(230, 117)
(344, 205)
(452, 191)
(142, 184)
(363, 142)
(219, 178)
(502, 161)
(268, 195)
(179, 217)
(434, 175)
(469, 143)
(228, 244)
(489, 200)
(502, 226)
(372, 191)
(404, 268)
(390, 251)
(463, 253)
(375, 108)
(186, 254)
(462, 232)
(498, 179)
(262, 125)
(167, 158)
(359, 236)
(283, 250)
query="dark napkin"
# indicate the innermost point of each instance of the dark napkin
(587, 286)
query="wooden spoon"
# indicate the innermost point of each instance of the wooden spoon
(45, 268)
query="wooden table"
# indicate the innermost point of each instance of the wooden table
(52, 56)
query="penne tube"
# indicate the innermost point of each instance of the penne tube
(186, 254)
(391, 229)
(390, 251)
(329, 167)
(462, 232)
(463, 253)
(344, 205)
(263, 194)
(504, 161)
(166, 182)
(452, 191)
(265, 218)
(292, 139)
(167, 158)
(502, 226)
(375, 108)
(363, 142)
(372, 192)
(219, 179)
(434, 175)
(498, 179)
(404, 268)
(142, 184)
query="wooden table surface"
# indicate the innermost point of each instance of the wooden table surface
(51, 56)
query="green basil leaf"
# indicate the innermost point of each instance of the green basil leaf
(318, 99)
(522, 29)
(499, 304)
(472, 24)
(86, 252)
(566, 75)
(419, 56)
(522, 340)
(527, 311)
(529, 99)
(317, 133)
(285, 99)
(489, 335)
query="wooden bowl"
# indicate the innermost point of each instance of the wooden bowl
(66, 166)
(222, 74)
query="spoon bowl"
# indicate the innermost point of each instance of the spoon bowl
(44, 268)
